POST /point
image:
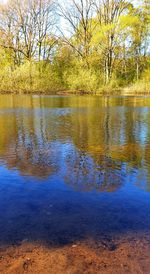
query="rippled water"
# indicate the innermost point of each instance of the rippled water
(73, 168)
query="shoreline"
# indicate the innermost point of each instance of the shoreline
(129, 256)
(78, 93)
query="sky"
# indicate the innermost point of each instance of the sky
(134, 1)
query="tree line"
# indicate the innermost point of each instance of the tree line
(85, 45)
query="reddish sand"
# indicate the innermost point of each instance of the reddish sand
(127, 257)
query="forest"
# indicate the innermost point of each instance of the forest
(89, 46)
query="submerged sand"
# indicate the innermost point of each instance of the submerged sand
(127, 256)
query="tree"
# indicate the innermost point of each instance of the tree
(26, 27)
(108, 32)
(78, 15)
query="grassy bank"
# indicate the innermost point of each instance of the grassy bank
(49, 79)
(134, 90)
(42, 86)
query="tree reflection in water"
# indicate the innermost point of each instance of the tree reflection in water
(93, 143)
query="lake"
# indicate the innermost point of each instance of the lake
(74, 168)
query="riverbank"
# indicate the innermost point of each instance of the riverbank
(126, 92)
(133, 90)
(128, 256)
(137, 89)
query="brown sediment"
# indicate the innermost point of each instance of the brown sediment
(126, 257)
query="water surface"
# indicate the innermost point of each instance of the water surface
(74, 168)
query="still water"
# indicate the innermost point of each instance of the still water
(74, 168)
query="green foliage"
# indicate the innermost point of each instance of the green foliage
(31, 77)
(82, 79)
(146, 76)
